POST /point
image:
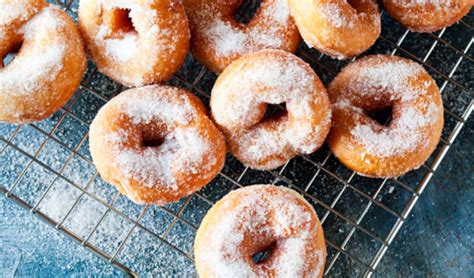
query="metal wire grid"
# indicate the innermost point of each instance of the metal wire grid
(361, 217)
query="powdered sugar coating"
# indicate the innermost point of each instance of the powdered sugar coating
(28, 70)
(271, 77)
(377, 82)
(46, 70)
(229, 39)
(171, 109)
(126, 47)
(188, 147)
(252, 218)
(123, 49)
(403, 136)
(215, 29)
(331, 25)
(334, 14)
(427, 15)
(150, 53)
(13, 10)
(392, 79)
(438, 4)
(260, 143)
(182, 150)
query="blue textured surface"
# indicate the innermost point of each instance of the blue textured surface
(30, 248)
(437, 239)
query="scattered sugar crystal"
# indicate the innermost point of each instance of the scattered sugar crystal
(85, 216)
(59, 200)
(335, 15)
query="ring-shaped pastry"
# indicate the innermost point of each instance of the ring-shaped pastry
(49, 63)
(156, 144)
(427, 16)
(257, 219)
(135, 42)
(341, 29)
(244, 91)
(218, 38)
(376, 83)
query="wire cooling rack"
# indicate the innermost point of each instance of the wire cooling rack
(46, 168)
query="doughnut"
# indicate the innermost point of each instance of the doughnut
(135, 42)
(241, 96)
(49, 63)
(218, 38)
(255, 219)
(340, 29)
(377, 83)
(156, 144)
(427, 16)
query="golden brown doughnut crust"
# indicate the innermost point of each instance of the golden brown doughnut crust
(257, 218)
(240, 97)
(13, 15)
(218, 38)
(49, 65)
(427, 16)
(340, 29)
(156, 144)
(135, 42)
(377, 82)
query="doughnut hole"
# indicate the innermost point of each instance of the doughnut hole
(248, 9)
(153, 142)
(265, 253)
(153, 135)
(120, 22)
(9, 55)
(262, 247)
(359, 6)
(383, 116)
(274, 112)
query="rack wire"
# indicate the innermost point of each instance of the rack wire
(47, 169)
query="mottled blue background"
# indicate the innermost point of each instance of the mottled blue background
(437, 239)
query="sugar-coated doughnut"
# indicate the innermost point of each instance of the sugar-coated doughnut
(135, 42)
(13, 15)
(379, 82)
(218, 38)
(156, 144)
(49, 64)
(427, 15)
(239, 101)
(260, 218)
(341, 29)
